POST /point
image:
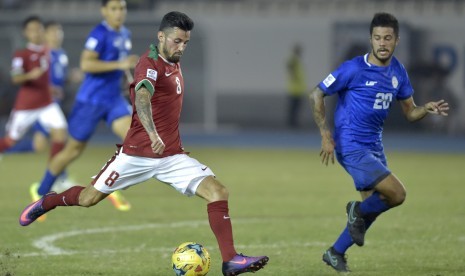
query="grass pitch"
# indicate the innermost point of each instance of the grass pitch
(283, 204)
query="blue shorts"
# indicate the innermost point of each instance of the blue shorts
(37, 127)
(85, 117)
(366, 167)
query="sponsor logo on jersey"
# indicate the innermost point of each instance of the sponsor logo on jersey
(152, 74)
(371, 83)
(395, 82)
(91, 43)
(329, 80)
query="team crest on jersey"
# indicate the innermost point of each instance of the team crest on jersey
(395, 82)
(152, 74)
(329, 80)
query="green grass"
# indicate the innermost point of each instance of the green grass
(283, 203)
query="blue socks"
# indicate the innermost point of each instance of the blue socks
(47, 183)
(345, 241)
(373, 205)
(370, 208)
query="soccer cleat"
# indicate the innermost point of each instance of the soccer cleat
(33, 211)
(355, 223)
(118, 200)
(242, 264)
(335, 260)
(33, 191)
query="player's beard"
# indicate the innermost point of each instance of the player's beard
(173, 58)
(382, 59)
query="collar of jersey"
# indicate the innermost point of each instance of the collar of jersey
(154, 54)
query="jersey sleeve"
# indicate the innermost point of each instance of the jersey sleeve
(146, 74)
(405, 89)
(337, 80)
(95, 41)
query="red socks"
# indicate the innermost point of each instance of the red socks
(5, 143)
(220, 224)
(69, 197)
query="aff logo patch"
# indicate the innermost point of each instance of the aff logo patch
(152, 74)
(329, 80)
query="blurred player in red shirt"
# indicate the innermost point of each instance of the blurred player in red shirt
(153, 149)
(34, 103)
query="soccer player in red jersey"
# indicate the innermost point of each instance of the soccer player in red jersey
(30, 69)
(153, 148)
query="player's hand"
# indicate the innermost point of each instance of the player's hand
(130, 62)
(439, 108)
(35, 73)
(157, 145)
(327, 148)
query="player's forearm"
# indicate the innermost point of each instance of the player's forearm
(144, 111)
(19, 79)
(417, 113)
(318, 109)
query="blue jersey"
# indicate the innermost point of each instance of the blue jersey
(111, 45)
(365, 94)
(58, 67)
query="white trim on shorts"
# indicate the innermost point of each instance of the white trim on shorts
(180, 171)
(20, 121)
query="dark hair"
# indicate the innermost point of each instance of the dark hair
(105, 2)
(31, 19)
(176, 19)
(383, 19)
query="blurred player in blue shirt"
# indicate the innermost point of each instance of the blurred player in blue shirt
(104, 61)
(366, 87)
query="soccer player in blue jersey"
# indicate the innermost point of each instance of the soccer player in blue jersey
(104, 61)
(366, 86)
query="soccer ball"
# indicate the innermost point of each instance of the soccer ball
(191, 259)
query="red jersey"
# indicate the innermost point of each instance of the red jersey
(164, 80)
(35, 93)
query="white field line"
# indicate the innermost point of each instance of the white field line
(47, 247)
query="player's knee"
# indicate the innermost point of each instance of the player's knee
(219, 192)
(73, 152)
(398, 198)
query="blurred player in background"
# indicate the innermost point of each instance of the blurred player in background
(58, 76)
(104, 62)
(296, 84)
(34, 103)
(153, 148)
(366, 86)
